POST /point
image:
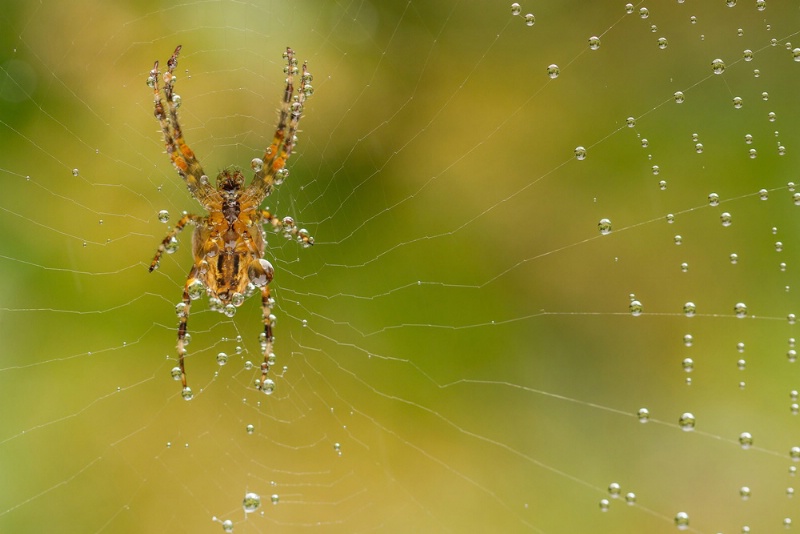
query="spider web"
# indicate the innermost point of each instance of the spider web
(462, 348)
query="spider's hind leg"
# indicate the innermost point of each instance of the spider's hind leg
(265, 384)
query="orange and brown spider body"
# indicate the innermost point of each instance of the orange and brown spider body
(228, 244)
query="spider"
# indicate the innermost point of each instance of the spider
(228, 243)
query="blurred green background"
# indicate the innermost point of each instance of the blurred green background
(458, 348)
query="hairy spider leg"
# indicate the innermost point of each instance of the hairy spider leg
(268, 339)
(277, 154)
(182, 156)
(183, 221)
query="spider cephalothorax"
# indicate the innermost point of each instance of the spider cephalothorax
(228, 243)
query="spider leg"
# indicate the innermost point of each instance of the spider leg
(276, 155)
(182, 156)
(167, 241)
(288, 227)
(183, 314)
(267, 339)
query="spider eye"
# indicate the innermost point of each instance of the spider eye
(260, 272)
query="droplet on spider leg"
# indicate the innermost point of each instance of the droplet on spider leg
(176, 372)
(196, 289)
(180, 309)
(257, 164)
(268, 387)
(229, 310)
(271, 359)
(171, 246)
(237, 299)
(187, 394)
(281, 176)
(176, 99)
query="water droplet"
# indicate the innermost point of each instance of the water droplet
(275, 498)
(794, 453)
(227, 526)
(740, 345)
(748, 55)
(645, 142)
(678, 239)
(688, 339)
(771, 116)
(250, 429)
(180, 309)
(636, 308)
(643, 414)
(163, 216)
(195, 289)
(604, 505)
(530, 19)
(662, 43)
(187, 393)
(644, 13)
(604, 226)
(682, 520)
(744, 492)
(730, 3)
(791, 318)
(698, 148)
(726, 219)
(629, 8)
(229, 310)
(222, 359)
(516, 9)
(761, 5)
(713, 199)
(791, 354)
(251, 502)
(75, 172)
(737, 102)
(630, 498)
(734, 258)
(176, 99)
(778, 246)
(745, 440)
(269, 386)
(257, 164)
(752, 153)
(594, 43)
(688, 365)
(670, 218)
(679, 98)
(175, 373)
(553, 71)
(740, 309)
(614, 489)
(718, 66)
(656, 169)
(693, 19)
(689, 309)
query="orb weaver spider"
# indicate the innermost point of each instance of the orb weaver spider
(228, 243)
